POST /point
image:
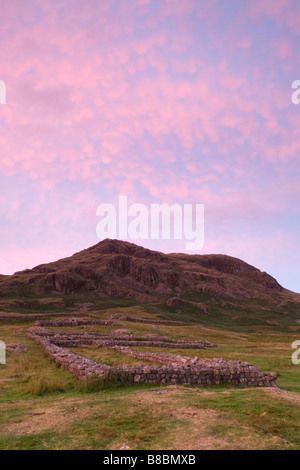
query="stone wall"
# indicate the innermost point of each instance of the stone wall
(217, 371)
(174, 359)
(79, 366)
(73, 322)
(178, 369)
(149, 320)
(39, 316)
(72, 340)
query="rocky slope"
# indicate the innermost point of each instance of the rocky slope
(114, 268)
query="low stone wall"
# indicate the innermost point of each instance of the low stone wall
(156, 344)
(216, 371)
(182, 370)
(174, 359)
(39, 316)
(73, 343)
(149, 320)
(196, 370)
(79, 366)
(73, 322)
(72, 340)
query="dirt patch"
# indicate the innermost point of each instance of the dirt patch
(290, 396)
(202, 428)
(57, 416)
(4, 381)
(195, 423)
(275, 392)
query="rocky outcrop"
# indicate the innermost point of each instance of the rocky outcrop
(178, 302)
(175, 302)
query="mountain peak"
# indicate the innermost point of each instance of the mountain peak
(114, 268)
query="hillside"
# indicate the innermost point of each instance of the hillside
(214, 289)
(122, 346)
(115, 268)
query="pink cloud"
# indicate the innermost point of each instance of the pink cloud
(172, 101)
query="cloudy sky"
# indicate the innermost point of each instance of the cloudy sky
(165, 101)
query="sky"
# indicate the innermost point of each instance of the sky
(162, 101)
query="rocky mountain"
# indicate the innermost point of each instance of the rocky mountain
(115, 268)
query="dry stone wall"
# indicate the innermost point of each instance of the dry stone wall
(177, 369)
(38, 316)
(174, 359)
(217, 371)
(79, 366)
(71, 340)
(149, 320)
(73, 322)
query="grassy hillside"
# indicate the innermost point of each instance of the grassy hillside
(280, 314)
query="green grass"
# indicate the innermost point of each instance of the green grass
(43, 407)
(108, 356)
(257, 410)
(242, 315)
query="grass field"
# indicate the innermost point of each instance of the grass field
(43, 407)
